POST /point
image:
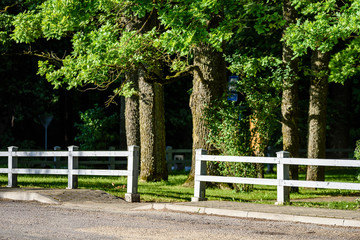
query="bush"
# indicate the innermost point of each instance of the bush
(230, 135)
(97, 131)
(357, 150)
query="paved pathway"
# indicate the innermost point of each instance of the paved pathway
(96, 199)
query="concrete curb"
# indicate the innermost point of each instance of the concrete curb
(28, 196)
(250, 214)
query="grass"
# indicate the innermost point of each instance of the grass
(174, 191)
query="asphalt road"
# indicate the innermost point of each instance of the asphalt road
(33, 220)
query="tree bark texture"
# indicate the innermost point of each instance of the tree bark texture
(132, 117)
(290, 96)
(152, 131)
(317, 113)
(146, 128)
(209, 84)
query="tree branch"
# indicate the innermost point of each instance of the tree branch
(7, 7)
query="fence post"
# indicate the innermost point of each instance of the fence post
(73, 163)
(283, 193)
(200, 170)
(132, 178)
(169, 158)
(12, 163)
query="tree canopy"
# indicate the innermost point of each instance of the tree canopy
(93, 44)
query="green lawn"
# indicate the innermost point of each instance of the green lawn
(174, 191)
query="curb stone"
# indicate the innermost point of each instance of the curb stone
(254, 215)
(28, 196)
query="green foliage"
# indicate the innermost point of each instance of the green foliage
(357, 150)
(324, 25)
(27, 27)
(345, 64)
(229, 134)
(189, 23)
(261, 83)
(126, 90)
(267, 16)
(228, 125)
(5, 26)
(97, 131)
(102, 48)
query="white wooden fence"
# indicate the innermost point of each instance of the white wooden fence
(282, 182)
(72, 171)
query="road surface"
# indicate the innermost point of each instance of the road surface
(33, 220)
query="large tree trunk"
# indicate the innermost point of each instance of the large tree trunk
(152, 131)
(209, 83)
(147, 126)
(132, 117)
(290, 96)
(317, 113)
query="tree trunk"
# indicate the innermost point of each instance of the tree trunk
(290, 97)
(146, 127)
(132, 117)
(209, 83)
(152, 131)
(317, 113)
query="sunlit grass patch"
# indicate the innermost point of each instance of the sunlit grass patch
(173, 190)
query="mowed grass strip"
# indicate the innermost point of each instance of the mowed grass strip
(173, 190)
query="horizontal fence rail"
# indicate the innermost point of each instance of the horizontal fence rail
(72, 170)
(180, 159)
(282, 181)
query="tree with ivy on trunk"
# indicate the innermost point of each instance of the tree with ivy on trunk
(201, 31)
(198, 31)
(324, 28)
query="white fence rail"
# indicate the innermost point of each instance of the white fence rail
(282, 181)
(72, 171)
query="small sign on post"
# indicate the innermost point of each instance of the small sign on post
(45, 120)
(232, 86)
